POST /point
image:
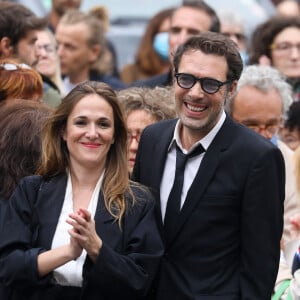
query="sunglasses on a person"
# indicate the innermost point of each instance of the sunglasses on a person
(208, 85)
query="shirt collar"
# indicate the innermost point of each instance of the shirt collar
(205, 141)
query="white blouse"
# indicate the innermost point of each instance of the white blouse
(70, 274)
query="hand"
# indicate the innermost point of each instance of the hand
(84, 232)
(74, 246)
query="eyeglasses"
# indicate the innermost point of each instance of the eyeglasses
(13, 67)
(133, 136)
(239, 36)
(48, 48)
(270, 129)
(285, 47)
(208, 85)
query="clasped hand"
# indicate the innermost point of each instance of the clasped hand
(83, 234)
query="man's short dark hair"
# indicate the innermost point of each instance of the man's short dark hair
(201, 5)
(216, 44)
(16, 21)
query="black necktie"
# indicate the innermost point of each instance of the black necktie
(174, 200)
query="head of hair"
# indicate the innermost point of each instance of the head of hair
(264, 78)
(158, 101)
(264, 34)
(214, 44)
(21, 124)
(22, 82)
(16, 21)
(293, 117)
(55, 154)
(203, 6)
(146, 57)
(101, 12)
(95, 34)
(231, 18)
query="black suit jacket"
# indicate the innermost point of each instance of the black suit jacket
(226, 243)
(124, 268)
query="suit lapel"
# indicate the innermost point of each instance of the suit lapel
(161, 151)
(204, 175)
(51, 196)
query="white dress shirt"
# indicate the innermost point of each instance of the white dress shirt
(191, 166)
(70, 274)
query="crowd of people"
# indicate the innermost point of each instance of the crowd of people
(175, 177)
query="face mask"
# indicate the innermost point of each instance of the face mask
(161, 45)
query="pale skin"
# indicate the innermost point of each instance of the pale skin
(89, 134)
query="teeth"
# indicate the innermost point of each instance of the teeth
(195, 108)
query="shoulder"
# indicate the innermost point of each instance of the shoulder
(152, 82)
(139, 197)
(114, 82)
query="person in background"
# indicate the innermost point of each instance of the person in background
(262, 100)
(288, 8)
(80, 228)
(80, 38)
(260, 103)
(19, 81)
(232, 26)
(290, 132)
(49, 63)
(219, 186)
(18, 35)
(189, 19)
(152, 57)
(58, 9)
(107, 63)
(21, 123)
(142, 107)
(276, 42)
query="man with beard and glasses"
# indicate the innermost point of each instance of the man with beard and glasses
(226, 221)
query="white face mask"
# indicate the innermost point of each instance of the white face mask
(161, 45)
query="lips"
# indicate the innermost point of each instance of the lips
(91, 145)
(195, 108)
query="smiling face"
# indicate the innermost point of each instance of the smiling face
(198, 111)
(89, 133)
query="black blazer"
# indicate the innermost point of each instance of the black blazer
(125, 266)
(226, 244)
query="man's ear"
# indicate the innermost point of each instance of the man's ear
(95, 52)
(6, 49)
(232, 88)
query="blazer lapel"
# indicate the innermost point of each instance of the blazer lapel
(51, 196)
(204, 175)
(161, 151)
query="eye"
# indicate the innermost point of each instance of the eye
(104, 124)
(80, 122)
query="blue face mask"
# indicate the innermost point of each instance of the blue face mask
(161, 45)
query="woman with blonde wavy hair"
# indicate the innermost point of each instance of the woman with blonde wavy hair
(80, 229)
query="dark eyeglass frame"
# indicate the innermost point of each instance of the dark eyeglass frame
(202, 81)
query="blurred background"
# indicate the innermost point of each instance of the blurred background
(129, 18)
